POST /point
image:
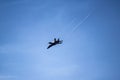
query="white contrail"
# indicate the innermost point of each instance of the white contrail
(76, 26)
(81, 22)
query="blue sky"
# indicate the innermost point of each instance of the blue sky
(89, 30)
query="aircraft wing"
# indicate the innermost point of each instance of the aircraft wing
(50, 43)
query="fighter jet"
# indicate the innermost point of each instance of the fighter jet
(54, 43)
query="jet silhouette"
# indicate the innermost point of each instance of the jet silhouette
(54, 43)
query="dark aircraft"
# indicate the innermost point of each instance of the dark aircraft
(54, 43)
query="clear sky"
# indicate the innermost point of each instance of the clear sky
(90, 30)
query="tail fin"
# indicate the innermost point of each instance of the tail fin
(54, 39)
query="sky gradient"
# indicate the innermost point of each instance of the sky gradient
(89, 29)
